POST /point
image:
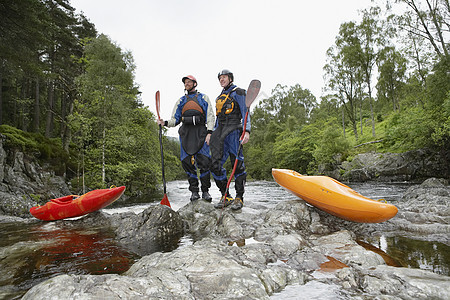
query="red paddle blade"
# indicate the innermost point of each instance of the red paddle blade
(165, 201)
(157, 104)
(252, 91)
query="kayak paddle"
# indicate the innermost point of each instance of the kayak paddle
(165, 200)
(252, 92)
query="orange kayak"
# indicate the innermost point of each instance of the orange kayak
(75, 206)
(334, 197)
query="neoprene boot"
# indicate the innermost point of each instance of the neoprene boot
(206, 196)
(224, 202)
(238, 203)
(195, 196)
(193, 184)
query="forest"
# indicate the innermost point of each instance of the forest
(68, 96)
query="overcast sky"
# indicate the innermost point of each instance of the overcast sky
(278, 42)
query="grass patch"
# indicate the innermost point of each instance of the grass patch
(366, 137)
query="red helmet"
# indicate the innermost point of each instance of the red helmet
(189, 77)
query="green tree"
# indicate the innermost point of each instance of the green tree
(423, 121)
(290, 102)
(330, 142)
(22, 34)
(438, 91)
(329, 107)
(294, 150)
(255, 156)
(131, 156)
(344, 79)
(278, 122)
(39, 41)
(424, 126)
(428, 21)
(391, 78)
(109, 99)
(408, 130)
(372, 37)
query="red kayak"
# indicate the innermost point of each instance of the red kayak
(75, 206)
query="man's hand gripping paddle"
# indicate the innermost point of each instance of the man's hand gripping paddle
(252, 93)
(165, 200)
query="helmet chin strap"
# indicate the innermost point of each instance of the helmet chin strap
(191, 90)
(228, 86)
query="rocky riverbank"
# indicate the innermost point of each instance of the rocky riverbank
(412, 166)
(259, 252)
(23, 182)
(424, 214)
(253, 254)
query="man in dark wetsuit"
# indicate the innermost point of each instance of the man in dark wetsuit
(196, 114)
(225, 139)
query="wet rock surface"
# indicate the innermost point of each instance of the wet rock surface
(424, 213)
(255, 253)
(261, 251)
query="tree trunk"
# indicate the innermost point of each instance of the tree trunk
(425, 28)
(22, 105)
(360, 115)
(37, 110)
(343, 121)
(13, 115)
(420, 69)
(1, 98)
(62, 128)
(82, 168)
(371, 112)
(67, 135)
(433, 12)
(49, 123)
(103, 159)
(352, 112)
(355, 130)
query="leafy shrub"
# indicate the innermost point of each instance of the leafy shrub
(294, 150)
(331, 141)
(411, 129)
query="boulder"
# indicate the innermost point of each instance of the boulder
(404, 283)
(415, 165)
(157, 227)
(213, 269)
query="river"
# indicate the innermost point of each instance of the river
(41, 250)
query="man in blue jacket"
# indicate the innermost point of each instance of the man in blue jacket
(225, 139)
(196, 114)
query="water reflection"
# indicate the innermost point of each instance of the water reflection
(411, 253)
(432, 256)
(78, 251)
(36, 252)
(390, 261)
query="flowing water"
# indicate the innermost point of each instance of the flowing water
(39, 251)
